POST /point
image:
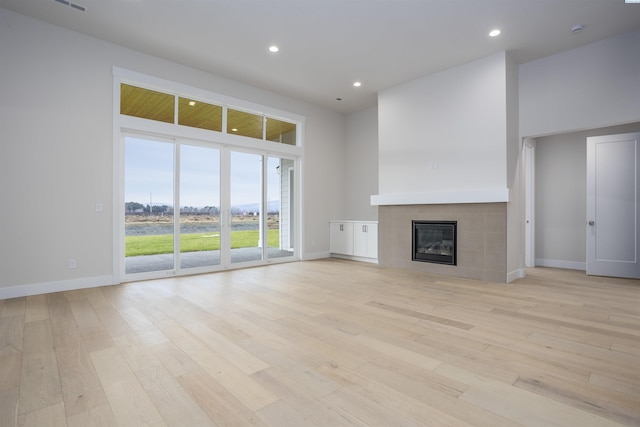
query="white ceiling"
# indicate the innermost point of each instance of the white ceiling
(326, 45)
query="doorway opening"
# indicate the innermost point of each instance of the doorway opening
(557, 235)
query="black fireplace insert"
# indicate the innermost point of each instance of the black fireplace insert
(434, 241)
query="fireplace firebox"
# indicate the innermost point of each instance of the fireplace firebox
(434, 241)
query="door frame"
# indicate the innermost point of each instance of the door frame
(597, 263)
(528, 161)
(292, 210)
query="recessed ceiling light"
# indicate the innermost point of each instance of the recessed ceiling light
(73, 5)
(494, 33)
(234, 130)
(192, 103)
(577, 28)
(273, 48)
(357, 84)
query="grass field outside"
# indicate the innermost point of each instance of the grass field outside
(163, 244)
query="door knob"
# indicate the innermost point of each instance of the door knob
(592, 223)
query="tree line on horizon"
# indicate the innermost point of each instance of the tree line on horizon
(139, 208)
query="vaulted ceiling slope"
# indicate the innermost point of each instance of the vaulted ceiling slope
(326, 45)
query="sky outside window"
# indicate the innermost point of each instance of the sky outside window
(149, 175)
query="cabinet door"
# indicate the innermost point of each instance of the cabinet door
(372, 241)
(341, 235)
(366, 240)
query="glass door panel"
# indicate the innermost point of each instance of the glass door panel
(245, 207)
(280, 204)
(148, 195)
(199, 206)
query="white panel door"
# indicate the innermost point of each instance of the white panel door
(613, 193)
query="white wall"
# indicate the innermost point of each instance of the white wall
(593, 86)
(362, 165)
(560, 187)
(56, 139)
(561, 196)
(515, 207)
(446, 131)
(588, 88)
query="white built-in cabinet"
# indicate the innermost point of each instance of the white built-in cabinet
(341, 238)
(354, 239)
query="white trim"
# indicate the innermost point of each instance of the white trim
(353, 221)
(356, 258)
(118, 187)
(516, 274)
(315, 255)
(488, 195)
(151, 127)
(291, 212)
(57, 286)
(298, 200)
(558, 263)
(529, 199)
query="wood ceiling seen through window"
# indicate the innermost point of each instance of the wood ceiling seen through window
(149, 104)
(199, 114)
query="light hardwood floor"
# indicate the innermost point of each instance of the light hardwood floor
(325, 343)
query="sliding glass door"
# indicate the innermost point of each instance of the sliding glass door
(246, 207)
(199, 201)
(192, 207)
(280, 207)
(148, 195)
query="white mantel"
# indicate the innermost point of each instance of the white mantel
(489, 195)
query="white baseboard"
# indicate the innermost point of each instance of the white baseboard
(58, 286)
(356, 258)
(315, 255)
(558, 263)
(516, 274)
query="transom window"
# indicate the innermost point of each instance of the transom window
(199, 114)
(147, 104)
(159, 106)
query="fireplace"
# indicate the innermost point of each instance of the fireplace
(434, 241)
(481, 241)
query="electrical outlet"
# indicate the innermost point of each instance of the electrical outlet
(72, 263)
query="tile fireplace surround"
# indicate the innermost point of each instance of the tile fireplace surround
(482, 238)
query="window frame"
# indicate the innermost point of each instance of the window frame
(129, 124)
